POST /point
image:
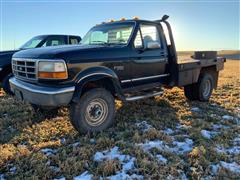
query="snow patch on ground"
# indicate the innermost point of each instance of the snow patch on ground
(61, 178)
(92, 141)
(13, 170)
(195, 109)
(143, 126)
(183, 147)
(236, 141)
(227, 117)
(76, 144)
(2, 177)
(180, 126)
(84, 176)
(48, 151)
(111, 155)
(233, 167)
(178, 147)
(62, 140)
(235, 150)
(177, 130)
(219, 127)
(214, 169)
(168, 131)
(123, 176)
(126, 161)
(55, 168)
(208, 134)
(161, 159)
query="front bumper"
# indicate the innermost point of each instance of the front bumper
(40, 95)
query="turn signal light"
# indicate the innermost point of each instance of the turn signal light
(122, 19)
(53, 75)
(112, 20)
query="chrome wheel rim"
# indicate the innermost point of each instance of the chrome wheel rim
(96, 112)
(206, 88)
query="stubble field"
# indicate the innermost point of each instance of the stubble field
(164, 137)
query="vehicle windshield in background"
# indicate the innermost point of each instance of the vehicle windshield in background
(108, 35)
(33, 43)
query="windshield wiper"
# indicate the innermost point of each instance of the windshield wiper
(99, 42)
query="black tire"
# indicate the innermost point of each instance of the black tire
(202, 90)
(6, 85)
(94, 112)
(191, 92)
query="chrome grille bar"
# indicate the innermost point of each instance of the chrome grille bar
(24, 69)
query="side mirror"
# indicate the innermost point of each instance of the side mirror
(153, 45)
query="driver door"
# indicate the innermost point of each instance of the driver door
(149, 57)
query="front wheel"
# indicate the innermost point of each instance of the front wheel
(94, 112)
(202, 90)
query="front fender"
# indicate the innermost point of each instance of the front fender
(94, 74)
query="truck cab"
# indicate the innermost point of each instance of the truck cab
(35, 42)
(127, 60)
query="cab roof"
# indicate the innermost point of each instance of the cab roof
(127, 21)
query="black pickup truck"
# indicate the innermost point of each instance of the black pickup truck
(126, 60)
(35, 42)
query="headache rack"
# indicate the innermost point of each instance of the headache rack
(24, 69)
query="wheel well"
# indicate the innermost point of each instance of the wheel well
(213, 71)
(106, 83)
(6, 70)
(210, 68)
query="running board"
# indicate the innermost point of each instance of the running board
(134, 98)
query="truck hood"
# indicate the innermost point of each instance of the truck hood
(2, 53)
(58, 52)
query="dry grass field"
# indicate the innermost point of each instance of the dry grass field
(164, 137)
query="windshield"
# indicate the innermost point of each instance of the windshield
(118, 34)
(33, 43)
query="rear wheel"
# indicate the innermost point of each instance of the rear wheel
(94, 112)
(202, 90)
(6, 85)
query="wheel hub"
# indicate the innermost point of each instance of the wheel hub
(96, 112)
(207, 88)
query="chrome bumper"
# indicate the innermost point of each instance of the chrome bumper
(39, 95)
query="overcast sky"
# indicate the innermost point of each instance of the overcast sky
(197, 25)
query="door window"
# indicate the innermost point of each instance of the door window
(73, 40)
(54, 41)
(149, 34)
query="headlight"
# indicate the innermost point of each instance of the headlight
(52, 70)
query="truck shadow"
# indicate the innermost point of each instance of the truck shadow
(169, 112)
(156, 111)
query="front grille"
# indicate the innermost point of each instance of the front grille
(24, 69)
